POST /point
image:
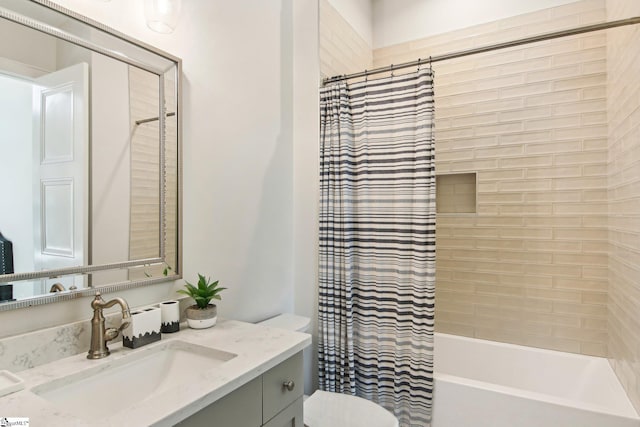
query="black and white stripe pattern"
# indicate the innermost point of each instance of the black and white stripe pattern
(377, 242)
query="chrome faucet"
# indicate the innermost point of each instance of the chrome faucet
(99, 335)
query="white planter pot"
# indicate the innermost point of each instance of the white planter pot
(202, 318)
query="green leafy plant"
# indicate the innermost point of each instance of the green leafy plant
(204, 292)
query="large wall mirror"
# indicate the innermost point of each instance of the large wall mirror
(89, 142)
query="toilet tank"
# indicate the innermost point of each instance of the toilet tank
(288, 321)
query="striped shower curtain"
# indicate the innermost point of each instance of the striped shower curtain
(377, 242)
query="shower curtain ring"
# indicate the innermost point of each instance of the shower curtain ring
(391, 69)
(419, 64)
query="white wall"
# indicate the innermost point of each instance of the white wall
(238, 152)
(306, 196)
(358, 13)
(398, 21)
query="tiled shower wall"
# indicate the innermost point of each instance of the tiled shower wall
(342, 49)
(530, 267)
(623, 71)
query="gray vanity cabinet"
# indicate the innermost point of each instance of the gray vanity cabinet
(274, 399)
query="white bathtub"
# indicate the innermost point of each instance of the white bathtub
(488, 384)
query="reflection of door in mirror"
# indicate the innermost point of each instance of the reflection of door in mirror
(60, 104)
(45, 124)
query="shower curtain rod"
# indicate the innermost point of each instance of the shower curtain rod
(473, 51)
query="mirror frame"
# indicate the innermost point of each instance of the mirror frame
(93, 46)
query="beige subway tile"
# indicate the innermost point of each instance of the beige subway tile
(460, 143)
(554, 294)
(554, 196)
(581, 259)
(525, 137)
(553, 73)
(527, 65)
(450, 112)
(596, 221)
(580, 334)
(529, 209)
(594, 170)
(527, 90)
(535, 257)
(501, 151)
(581, 233)
(473, 97)
(455, 286)
(444, 156)
(551, 319)
(528, 161)
(455, 133)
(504, 221)
(454, 307)
(594, 118)
(597, 92)
(588, 157)
(525, 185)
(579, 82)
(499, 244)
(526, 233)
(578, 283)
(580, 309)
(596, 39)
(554, 172)
(498, 58)
(594, 349)
(551, 221)
(487, 210)
(556, 47)
(500, 198)
(593, 17)
(579, 208)
(476, 119)
(581, 56)
(445, 327)
(525, 114)
(476, 232)
(475, 277)
(492, 267)
(553, 270)
(492, 334)
(594, 298)
(594, 272)
(498, 129)
(556, 246)
(598, 105)
(475, 165)
(501, 174)
(591, 246)
(595, 67)
(533, 280)
(553, 123)
(580, 183)
(576, 8)
(554, 97)
(500, 105)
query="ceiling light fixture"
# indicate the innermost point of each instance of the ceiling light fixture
(162, 15)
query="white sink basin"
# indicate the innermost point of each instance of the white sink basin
(110, 388)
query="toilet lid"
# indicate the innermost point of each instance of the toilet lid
(324, 409)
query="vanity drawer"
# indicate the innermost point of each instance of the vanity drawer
(275, 394)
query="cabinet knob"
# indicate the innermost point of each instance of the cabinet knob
(289, 385)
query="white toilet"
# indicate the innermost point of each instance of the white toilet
(324, 409)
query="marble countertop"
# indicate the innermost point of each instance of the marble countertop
(258, 349)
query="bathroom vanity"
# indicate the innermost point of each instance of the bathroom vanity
(234, 374)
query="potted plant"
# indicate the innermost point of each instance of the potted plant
(202, 314)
